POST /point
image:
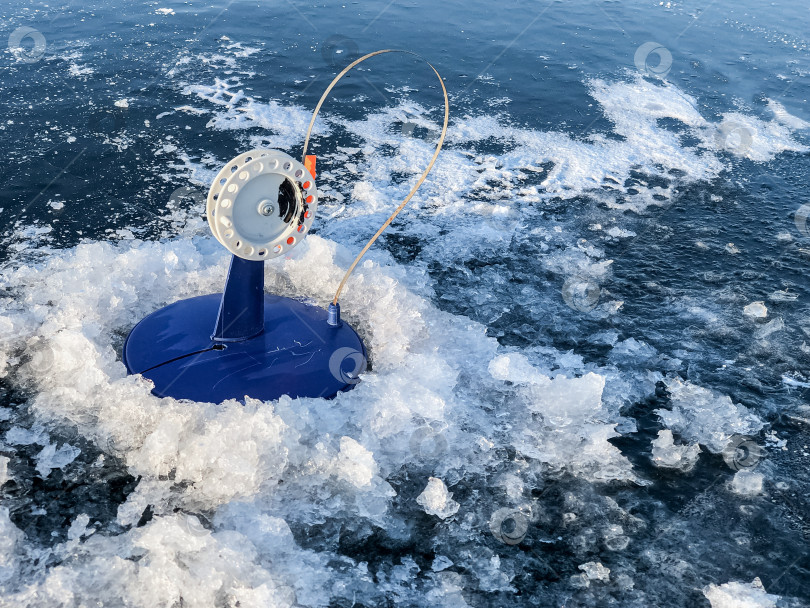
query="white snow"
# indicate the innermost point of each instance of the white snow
(582, 165)
(752, 138)
(785, 117)
(80, 70)
(285, 125)
(355, 463)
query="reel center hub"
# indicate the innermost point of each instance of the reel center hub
(266, 207)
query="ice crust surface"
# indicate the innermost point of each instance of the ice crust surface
(268, 466)
(227, 484)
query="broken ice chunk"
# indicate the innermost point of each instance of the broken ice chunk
(570, 401)
(595, 571)
(771, 438)
(756, 310)
(436, 500)
(515, 367)
(666, 454)
(747, 483)
(769, 328)
(52, 458)
(702, 416)
(355, 463)
(79, 527)
(4, 476)
(441, 563)
(17, 435)
(739, 595)
(10, 537)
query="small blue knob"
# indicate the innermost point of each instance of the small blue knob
(334, 315)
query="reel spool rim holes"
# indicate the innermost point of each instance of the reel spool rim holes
(238, 207)
(222, 176)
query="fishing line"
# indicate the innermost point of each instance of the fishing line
(421, 178)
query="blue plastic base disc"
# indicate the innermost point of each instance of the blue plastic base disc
(298, 354)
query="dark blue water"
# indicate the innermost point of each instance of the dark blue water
(702, 231)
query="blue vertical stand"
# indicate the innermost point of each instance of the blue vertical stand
(241, 311)
(262, 346)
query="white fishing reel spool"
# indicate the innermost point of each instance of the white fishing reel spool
(261, 204)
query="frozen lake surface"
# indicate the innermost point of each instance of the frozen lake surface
(588, 332)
